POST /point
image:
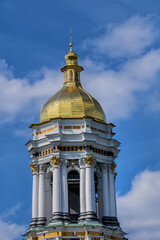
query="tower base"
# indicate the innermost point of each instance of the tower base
(110, 221)
(81, 231)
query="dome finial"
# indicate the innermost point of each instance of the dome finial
(71, 44)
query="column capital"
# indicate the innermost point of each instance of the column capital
(41, 168)
(113, 166)
(82, 163)
(34, 168)
(55, 161)
(64, 164)
(89, 161)
(104, 167)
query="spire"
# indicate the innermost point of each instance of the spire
(71, 69)
(71, 58)
(71, 44)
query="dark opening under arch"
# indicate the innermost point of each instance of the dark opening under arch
(73, 195)
(96, 195)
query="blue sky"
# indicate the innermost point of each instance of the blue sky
(118, 42)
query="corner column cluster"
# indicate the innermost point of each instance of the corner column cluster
(59, 198)
(109, 195)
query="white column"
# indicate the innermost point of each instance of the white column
(41, 196)
(34, 198)
(65, 193)
(105, 191)
(82, 192)
(56, 198)
(112, 194)
(53, 193)
(90, 194)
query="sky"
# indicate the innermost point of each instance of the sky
(118, 43)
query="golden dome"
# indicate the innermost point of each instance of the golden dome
(72, 101)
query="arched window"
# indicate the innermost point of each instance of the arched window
(73, 195)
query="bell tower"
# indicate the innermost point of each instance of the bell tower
(73, 165)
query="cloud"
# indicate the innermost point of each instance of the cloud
(24, 97)
(120, 91)
(11, 231)
(8, 230)
(126, 39)
(138, 210)
(10, 212)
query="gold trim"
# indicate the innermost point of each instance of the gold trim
(55, 161)
(49, 120)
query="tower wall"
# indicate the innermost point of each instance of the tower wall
(64, 145)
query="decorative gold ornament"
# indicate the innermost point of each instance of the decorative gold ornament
(113, 166)
(89, 161)
(55, 161)
(33, 167)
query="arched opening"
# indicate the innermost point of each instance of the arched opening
(96, 195)
(73, 195)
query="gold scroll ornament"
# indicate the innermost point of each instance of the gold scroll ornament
(89, 161)
(113, 166)
(33, 167)
(55, 161)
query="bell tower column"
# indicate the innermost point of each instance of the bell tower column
(65, 193)
(90, 190)
(56, 185)
(112, 196)
(82, 191)
(41, 197)
(34, 220)
(105, 187)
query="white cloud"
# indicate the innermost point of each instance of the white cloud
(8, 230)
(23, 97)
(11, 231)
(10, 212)
(120, 91)
(138, 210)
(132, 85)
(126, 39)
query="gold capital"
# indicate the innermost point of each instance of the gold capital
(55, 161)
(33, 167)
(89, 161)
(113, 166)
